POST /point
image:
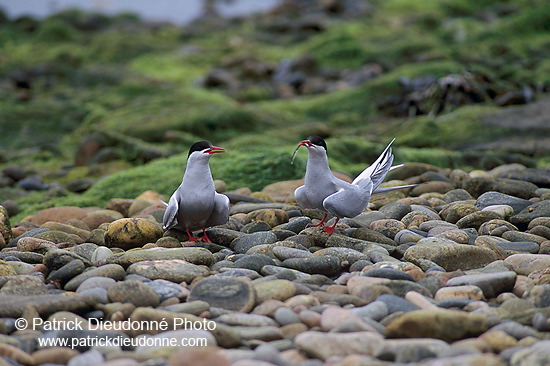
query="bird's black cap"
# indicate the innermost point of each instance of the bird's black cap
(317, 140)
(199, 146)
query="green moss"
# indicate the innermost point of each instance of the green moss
(169, 67)
(460, 128)
(56, 30)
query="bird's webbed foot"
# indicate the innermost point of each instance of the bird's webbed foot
(205, 237)
(190, 235)
(330, 229)
(322, 221)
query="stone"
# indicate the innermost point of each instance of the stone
(492, 284)
(228, 293)
(244, 242)
(24, 286)
(69, 229)
(14, 305)
(525, 264)
(198, 256)
(326, 265)
(433, 186)
(113, 271)
(6, 269)
(450, 255)
(372, 236)
(58, 214)
(495, 227)
(68, 271)
(133, 292)
(59, 237)
(476, 219)
(407, 236)
(539, 295)
(387, 272)
(412, 350)
(53, 355)
(254, 262)
(504, 211)
(286, 316)
(166, 289)
(274, 290)
(476, 186)
(96, 282)
(325, 345)
(448, 325)
(492, 198)
(395, 210)
(467, 292)
(457, 210)
(529, 213)
(273, 217)
(174, 270)
(296, 224)
(5, 227)
(132, 233)
(198, 357)
(243, 319)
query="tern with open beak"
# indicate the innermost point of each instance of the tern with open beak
(195, 204)
(322, 190)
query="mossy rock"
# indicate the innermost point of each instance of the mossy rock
(57, 237)
(132, 233)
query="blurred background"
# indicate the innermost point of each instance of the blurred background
(102, 99)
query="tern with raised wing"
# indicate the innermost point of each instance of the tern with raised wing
(195, 204)
(322, 190)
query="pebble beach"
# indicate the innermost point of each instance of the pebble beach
(455, 271)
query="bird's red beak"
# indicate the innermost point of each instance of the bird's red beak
(305, 143)
(214, 150)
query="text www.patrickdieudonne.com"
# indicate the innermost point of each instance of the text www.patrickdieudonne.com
(122, 340)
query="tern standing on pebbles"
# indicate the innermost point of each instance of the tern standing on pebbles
(196, 204)
(322, 190)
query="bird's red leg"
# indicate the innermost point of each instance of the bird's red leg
(330, 229)
(322, 221)
(205, 237)
(191, 237)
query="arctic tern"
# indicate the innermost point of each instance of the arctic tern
(195, 204)
(322, 190)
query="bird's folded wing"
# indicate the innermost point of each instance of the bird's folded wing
(169, 219)
(220, 213)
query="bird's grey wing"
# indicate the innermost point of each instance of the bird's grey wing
(348, 202)
(378, 170)
(300, 197)
(220, 213)
(169, 219)
(390, 189)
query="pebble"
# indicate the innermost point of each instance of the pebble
(525, 264)
(134, 292)
(131, 233)
(175, 270)
(166, 289)
(448, 325)
(325, 345)
(113, 271)
(325, 265)
(450, 255)
(254, 262)
(244, 242)
(278, 289)
(229, 293)
(492, 284)
(492, 198)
